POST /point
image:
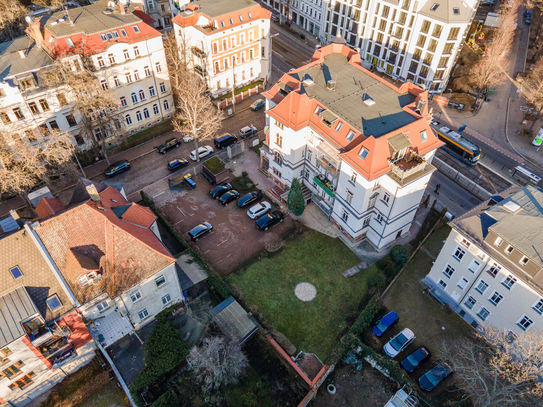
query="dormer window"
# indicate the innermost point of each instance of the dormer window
(284, 89)
(434, 7)
(363, 153)
(350, 135)
(69, 42)
(318, 111)
(231, 21)
(222, 24)
(338, 127)
(136, 29)
(328, 118)
(250, 15)
(240, 18)
(87, 279)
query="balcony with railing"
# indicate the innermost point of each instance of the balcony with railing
(328, 160)
(409, 168)
(51, 341)
(198, 52)
(325, 184)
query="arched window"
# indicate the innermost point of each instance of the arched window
(138, 116)
(142, 94)
(146, 113)
(104, 84)
(134, 97)
(155, 109)
(166, 105)
(128, 119)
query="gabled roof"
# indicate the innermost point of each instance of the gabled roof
(49, 206)
(139, 215)
(124, 253)
(13, 63)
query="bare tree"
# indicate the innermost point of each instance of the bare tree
(24, 164)
(217, 363)
(97, 104)
(12, 14)
(532, 88)
(491, 69)
(176, 59)
(497, 369)
(197, 115)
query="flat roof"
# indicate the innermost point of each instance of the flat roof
(15, 306)
(447, 11)
(346, 98)
(217, 8)
(233, 320)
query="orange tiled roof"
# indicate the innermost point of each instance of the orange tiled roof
(139, 215)
(49, 206)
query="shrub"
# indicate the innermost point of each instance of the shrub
(168, 399)
(284, 342)
(244, 174)
(392, 366)
(388, 266)
(218, 284)
(400, 255)
(378, 281)
(296, 202)
(242, 183)
(250, 400)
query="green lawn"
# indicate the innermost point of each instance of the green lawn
(318, 259)
(108, 396)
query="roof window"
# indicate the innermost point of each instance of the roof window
(318, 111)
(231, 21)
(69, 42)
(339, 125)
(250, 15)
(222, 24)
(511, 206)
(136, 29)
(124, 33)
(240, 18)
(16, 272)
(456, 10)
(350, 135)
(363, 153)
(434, 7)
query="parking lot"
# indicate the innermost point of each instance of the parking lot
(234, 238)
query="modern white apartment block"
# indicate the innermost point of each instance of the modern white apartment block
(124, 53)
(409, 40)
(490, 269)
(361, 146)
(309, 14)
(229, 42)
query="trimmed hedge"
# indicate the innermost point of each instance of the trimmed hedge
(165, 351)
(362, 323)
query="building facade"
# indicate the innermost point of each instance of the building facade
(228, 42)
(490, 270)
(309, 14)
(361, 146)
(124, 53)
(417, 41)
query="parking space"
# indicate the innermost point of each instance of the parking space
(234, 238)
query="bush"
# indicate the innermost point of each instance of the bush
(388, 266)
(168, 399)
(250, 400)
(400, 255)
(296, 202)
(244, 174)
(284, 342)
(393, 367)
(378, 281)
(242, 183)
(218, 284)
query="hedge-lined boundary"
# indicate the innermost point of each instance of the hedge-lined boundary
(220, 286)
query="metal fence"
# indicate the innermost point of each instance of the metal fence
(461, 179)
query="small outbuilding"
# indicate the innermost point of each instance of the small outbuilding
(233, 320)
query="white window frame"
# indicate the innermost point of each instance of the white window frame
(49, 305)
(143, 314)
(478, 284)
(486, 317)
(168, 299)
(509, 277)
(498, 242)
(524, 261)
(460, 251)
(442, 284)
(102, 306)
(135, 296)
(468, 301)
(509, 250)
(493, 302)
(522, 326)
(163, 283)
(465, 242)
(152, 92)
(495, 267)
(538, 306)
(446, 268)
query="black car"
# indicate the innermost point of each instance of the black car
(168, 145)
(269, 219)
(429, 380)
(177, 163)
(248, 199)
(216, 192)
(200, 230)
(117, 168)
(411, 362)
(228, 197)
(528, 17)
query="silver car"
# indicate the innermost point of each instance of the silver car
(259, 209)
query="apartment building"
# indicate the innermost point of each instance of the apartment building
(416, 41)
(229, 42)
(309, 14)
(490, 269)
(124, 53)
(42, 338)
(362, 147)
(28, 110)
(159, 11)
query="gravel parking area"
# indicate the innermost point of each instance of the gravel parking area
(234, 239)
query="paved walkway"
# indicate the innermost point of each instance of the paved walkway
(314, 218)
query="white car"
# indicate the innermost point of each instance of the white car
(538, 140)
(398, 343)
(259, 209)
(202, 152)
(187, 138)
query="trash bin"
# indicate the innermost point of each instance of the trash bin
(302, 36)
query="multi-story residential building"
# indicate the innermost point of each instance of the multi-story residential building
(124, 53)
(360, 145)
(159, 11)
(417, 41)
(229, 42)
(490, 269)
(27, 108)
(42, 338)
(110, 254)
(309, 14)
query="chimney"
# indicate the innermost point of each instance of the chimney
(93, 193)
(22, 53)
(121, 9)
(331, 85)
(420, 105)
(34, 27)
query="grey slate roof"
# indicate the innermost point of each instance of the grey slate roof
(351, 87)
(11, 63)
(89, 20)
(446, 11)
(217, 8)
(80, 193)
(15, 307)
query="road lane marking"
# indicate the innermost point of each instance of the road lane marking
(181, 211)
(225, 240)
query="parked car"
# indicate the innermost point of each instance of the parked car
(177, 163)
(258, 210)
(274, 18)
(202, 152)
(248, 131)
(268, 220)
(200, 230)
(248, 199)
(429, 380)
(411, 362)
(259, 104)
(187, 138)
(168, 145)
(216, 192)
(228, 197)
(399, 342)
(538, 140)
(385, 323)
(224, 141)
(117, 168)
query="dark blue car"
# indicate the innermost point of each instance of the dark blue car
(411, 362)
(385, 323)
(248, 199)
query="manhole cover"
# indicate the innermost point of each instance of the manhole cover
(305, 291)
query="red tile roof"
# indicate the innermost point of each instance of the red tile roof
(125, 253)
(144, 17)
(139, 215)
(49, 206)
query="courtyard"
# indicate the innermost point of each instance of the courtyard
(312, 326)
